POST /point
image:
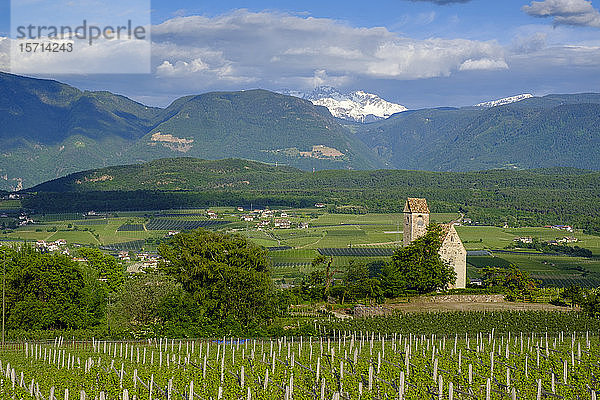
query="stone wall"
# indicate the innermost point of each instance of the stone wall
(464, 298)
(371, 311)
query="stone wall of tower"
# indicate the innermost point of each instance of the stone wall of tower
(415, 226)
(454, 253)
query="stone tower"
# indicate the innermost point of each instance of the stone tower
(416, 219)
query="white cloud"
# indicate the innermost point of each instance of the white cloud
(483, 64)
(292, 50)
(566, 12)
(103, 57)
(566, 57)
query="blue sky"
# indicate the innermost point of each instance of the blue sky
(420, 53)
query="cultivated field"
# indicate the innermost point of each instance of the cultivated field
(292, 250)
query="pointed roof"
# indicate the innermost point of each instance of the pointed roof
(415, 205)
(446, 230)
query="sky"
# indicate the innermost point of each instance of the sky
(419, 53)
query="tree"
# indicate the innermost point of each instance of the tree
(226, 275)
(325, 275)
(591, 303)
(418, 267)
(108, 268)
(573, 294)
(512, 281)
(361, 284)
(139, 303)
(50, 291)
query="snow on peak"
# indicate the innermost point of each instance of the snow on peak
(506, 100)
(357, 106)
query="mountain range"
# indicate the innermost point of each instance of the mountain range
(358, 106)
(505, 101)
(49, 129)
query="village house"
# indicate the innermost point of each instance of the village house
(282, 223)
(452, 250)
(524, 239)
(267, 214)
(57, 245)
(563, 228)
(568, 239)
(211, 214)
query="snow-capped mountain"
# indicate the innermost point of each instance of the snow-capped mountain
(506, 100)
(356, 106)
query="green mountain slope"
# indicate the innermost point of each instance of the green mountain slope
(192, 174)
(254, 124)
(49, 129)
(183, 173)
(556, 130)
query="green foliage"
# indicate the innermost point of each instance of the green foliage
(587, 299)
(575, 251)
(227, 276)
(418, 267)
(515, 283)
(141, 302)
(50, 292)
(462, 322)
(361, 284)
(107, 267)
(591, 303)
(573, 294)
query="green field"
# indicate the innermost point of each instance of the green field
(324, 231)
(10, 204)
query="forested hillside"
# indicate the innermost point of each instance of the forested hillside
(556, 130)
(49, 129)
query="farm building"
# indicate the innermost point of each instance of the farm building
(452, 251)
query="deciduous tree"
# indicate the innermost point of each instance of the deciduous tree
(418, 267)
(227, 276)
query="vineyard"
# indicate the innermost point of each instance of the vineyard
(565, 281)
(160, 224)
(358, 252)
(134, 245)
(131, 228)
(336, 365)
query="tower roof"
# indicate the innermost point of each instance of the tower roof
(415, 205)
